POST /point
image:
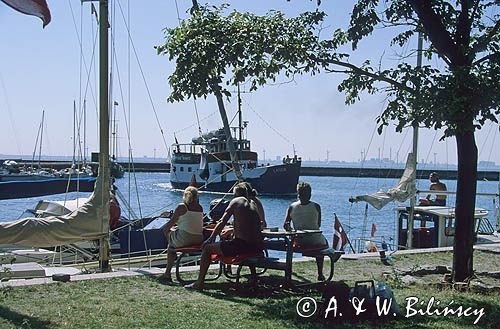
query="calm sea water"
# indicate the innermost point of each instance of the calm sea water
(153, 194)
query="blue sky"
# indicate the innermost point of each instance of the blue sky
(40, 69)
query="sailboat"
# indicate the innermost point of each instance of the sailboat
(90, 221)
(26, 182)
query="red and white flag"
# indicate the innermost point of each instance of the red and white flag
(374, 229)
(36, 8)
(339, 235)
(193, 181)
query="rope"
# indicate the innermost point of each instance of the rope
(11, 118)
(144, 79)
(194, 124)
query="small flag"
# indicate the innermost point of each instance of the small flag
(339, 235)
(374, 229)
(36, 8)
(193, 181)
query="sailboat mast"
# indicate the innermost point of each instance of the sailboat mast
(84, 132)
(413, 200)
(41, 139)
(74, 133)
(240, 117)
(104, 174)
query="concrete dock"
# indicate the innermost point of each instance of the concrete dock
(164, 167)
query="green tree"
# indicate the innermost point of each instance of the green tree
(464, 35)
(213, 51)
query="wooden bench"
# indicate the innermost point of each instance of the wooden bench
(190, 251)
(331, 253)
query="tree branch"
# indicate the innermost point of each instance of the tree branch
(462, 34)
(485, 39)
(435, 29)
(358, 70)
(485, 58)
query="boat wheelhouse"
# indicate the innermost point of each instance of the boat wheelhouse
(433, 226)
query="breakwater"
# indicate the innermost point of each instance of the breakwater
(304, 171)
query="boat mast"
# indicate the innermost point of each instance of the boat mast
(41, 139)
(240, 117)
(104, 174)
(227, 131)
(240, 123)
(413, 188)
(73, 161)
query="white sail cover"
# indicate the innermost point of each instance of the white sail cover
(401, 192)
(84, 223)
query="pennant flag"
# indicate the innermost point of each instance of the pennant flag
(36, 8)
(339, 235)
(374, 229)
(193, 181)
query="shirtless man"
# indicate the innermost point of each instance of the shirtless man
(252, 195)
(436, 185)
(247, 233)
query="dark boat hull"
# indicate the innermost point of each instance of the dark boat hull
(34, 188)
(277, 180)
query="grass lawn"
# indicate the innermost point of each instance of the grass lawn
(142, 302)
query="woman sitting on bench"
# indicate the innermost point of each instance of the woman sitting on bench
(306, 215)
(189, 219)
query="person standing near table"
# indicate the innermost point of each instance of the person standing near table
(305, 214)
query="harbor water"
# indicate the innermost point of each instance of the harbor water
(150, 194)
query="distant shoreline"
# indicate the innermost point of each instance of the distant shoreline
(487, 175)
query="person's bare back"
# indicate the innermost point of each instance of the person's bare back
(246, 220)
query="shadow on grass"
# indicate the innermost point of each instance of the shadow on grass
(22, 320)
(269, 301)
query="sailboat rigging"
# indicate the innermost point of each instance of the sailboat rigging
(91, 220)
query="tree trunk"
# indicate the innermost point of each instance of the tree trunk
(465, 205)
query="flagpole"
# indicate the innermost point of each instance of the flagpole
(346, 236)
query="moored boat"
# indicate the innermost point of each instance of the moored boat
(206, 163)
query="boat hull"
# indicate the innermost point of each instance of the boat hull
(272, 180)
(34, 188)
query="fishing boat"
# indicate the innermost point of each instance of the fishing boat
(208, 164)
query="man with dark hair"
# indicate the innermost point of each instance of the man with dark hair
(436, 185)
(305, 214)
(247, 233)
(252, 195)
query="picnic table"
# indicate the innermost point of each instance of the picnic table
(288, 238)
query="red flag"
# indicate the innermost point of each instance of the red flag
(374, 229)
(339, 235)
(193, 181)
(36, 8)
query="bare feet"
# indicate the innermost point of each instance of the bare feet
(165, 278)
(194, 286)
